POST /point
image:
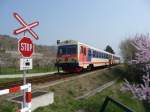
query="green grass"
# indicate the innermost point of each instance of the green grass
(6, 106)
(93, 104)
(12, 70)
(9, 79)
(66, 93)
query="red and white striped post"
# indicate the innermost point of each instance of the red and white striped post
(27, 88)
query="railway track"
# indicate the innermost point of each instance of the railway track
(41, 79)
(35, 80)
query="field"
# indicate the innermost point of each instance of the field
(67, 92)
(12, 70)
(67, 103)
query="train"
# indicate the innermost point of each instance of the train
(74, 56)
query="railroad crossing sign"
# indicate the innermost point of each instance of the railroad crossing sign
(25, 47)
(25, 63)
(26, 27)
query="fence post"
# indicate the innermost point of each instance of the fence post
(120, 105)
(104, 104)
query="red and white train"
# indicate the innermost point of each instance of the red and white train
(74, 56)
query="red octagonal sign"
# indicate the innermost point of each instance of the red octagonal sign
(25, 47)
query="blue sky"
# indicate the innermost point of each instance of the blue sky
(95, 22)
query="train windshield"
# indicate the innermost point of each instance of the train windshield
(67, 49)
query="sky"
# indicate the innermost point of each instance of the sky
(94, 22)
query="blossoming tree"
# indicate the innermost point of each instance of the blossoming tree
(142, 57)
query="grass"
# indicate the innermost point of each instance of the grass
(67, 103)
(12, 70)
(6, 106)
(65, 94)
(9, 79)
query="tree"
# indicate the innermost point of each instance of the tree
(142, 57)
(127, 50)
(109, 49)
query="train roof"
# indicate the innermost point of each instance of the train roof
(68, 42)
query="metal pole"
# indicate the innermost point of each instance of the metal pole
(24, 91)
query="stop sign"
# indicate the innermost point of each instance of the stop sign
(25, 46)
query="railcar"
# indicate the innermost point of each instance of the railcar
(74, 56)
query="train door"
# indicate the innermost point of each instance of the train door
(83, 55)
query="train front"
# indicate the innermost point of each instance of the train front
(67, 56)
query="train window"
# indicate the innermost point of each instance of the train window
(96, 54)
(105, 56)
(100, 55)
(61, 50)
(67, 49)
(89, 52)
(72, 50)
(93, 53)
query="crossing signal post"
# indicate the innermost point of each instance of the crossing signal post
(25, 47)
